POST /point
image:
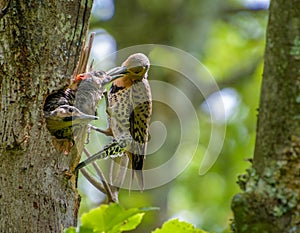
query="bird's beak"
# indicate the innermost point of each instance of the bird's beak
(114, 74)
(117, 72)
(84, 116)
(120, 70)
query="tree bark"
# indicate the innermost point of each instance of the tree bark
(40, 43)
(270, 201)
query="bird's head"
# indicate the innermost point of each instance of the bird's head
(100, 77)
(136, 66)
(70, 113)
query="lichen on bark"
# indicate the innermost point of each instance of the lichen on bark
(40, 43)
(270, 198)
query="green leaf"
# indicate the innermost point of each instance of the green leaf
(176, 226)
(110, 219)
(85, 230)
(70, 230)
(129, 224)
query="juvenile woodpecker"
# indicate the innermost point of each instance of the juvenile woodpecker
(90, 87)
(82, 97)
(129, 108)
(65, 120)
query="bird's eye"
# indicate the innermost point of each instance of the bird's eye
(137, 69)
(100, 73)
(71, 110)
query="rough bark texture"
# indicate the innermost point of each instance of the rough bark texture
(40, 42)
(270, 201)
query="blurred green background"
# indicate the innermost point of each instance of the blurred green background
(227, 37)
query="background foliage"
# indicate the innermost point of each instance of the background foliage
(228, 38)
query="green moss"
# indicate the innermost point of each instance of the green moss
(270, 188)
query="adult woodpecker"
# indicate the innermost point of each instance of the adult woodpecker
(129, 108)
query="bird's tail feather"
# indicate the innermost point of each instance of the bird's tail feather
(140, 178)
(137, 166)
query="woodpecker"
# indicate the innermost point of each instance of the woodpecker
(83, 94)
(74, 107)
(65, 119)
(90, 87)
(129, 109)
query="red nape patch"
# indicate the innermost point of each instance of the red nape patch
(80, 77)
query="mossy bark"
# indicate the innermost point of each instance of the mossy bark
(40, 43)
(270, 199)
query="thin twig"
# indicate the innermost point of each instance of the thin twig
(92, 180)
(106, 185)
(84, 56)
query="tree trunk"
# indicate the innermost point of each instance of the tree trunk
(270, 201)
(40, 42)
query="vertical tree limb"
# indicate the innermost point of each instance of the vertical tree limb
(270, 201)
(40, 42)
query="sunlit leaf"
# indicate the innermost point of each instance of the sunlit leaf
(176, 226)
(110, 219)
(70, 230)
